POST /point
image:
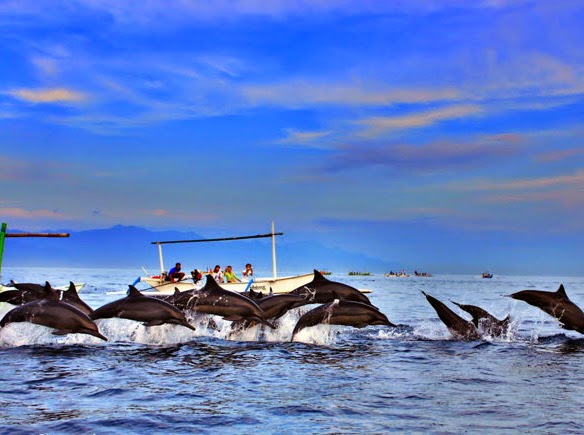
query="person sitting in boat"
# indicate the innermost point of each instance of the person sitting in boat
(196, 275)
(218, 275)
(248, 272)
(175, 274)
(230, 275)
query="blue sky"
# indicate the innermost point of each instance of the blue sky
(446, 135)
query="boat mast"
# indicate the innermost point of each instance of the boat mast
(160, 258)
(274, 270)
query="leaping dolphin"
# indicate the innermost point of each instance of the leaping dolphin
(457, 326)
(65, 318)
(556, 304)
(338, 312)
(322, 290)
(136, 306)
(71, 297)
(485, 322)
(212, 299)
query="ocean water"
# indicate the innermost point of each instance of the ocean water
(332, 379)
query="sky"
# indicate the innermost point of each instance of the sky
(445, 135)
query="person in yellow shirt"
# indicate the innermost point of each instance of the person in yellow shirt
(230, 276)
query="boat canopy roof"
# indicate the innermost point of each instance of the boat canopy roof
(222, 239)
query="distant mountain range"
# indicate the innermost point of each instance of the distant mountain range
(131, 247)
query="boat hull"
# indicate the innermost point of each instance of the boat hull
(277, 285)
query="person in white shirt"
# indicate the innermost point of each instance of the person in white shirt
(218, 275)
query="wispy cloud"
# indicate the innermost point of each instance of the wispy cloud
(567, 199)
(47, 66)
(307, 92)
(22, 213)
(574, 180)
(175, 12)
(376, 125)
(427, 158)
(305, 138)
(53, 95)
(558, 155)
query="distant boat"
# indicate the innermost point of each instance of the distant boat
(425, 274)
(325, 272)
(487, 275)
(353, 273)
(401, 274)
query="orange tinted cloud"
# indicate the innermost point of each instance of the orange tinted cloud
(55, 95)
(21, 213)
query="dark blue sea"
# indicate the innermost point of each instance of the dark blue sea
(332, 379)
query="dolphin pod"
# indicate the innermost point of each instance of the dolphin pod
(338, 312)
(556, 304)
(66, 312)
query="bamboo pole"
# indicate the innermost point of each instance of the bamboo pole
(3, 236)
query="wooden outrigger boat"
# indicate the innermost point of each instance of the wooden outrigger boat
(266, 285)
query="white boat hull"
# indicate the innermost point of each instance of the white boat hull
(277, 285)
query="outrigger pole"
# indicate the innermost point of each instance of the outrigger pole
(3, 235)
(273, 235)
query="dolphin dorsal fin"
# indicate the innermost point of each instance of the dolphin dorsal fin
(211, 284)
(562, 291)
(50, 292)
(318, 276)
(133, 292)
(176, 291)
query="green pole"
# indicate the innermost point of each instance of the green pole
(2, 237)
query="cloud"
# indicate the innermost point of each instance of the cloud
(22, 213)
(557, 155)
(420, 119)
(15, 170)
(563, 190)
(309, 92)
(426, 158)
(575, 180)
(54, 95)
(177, 12)
(305, 138)
(567, 199)
(45, 65)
